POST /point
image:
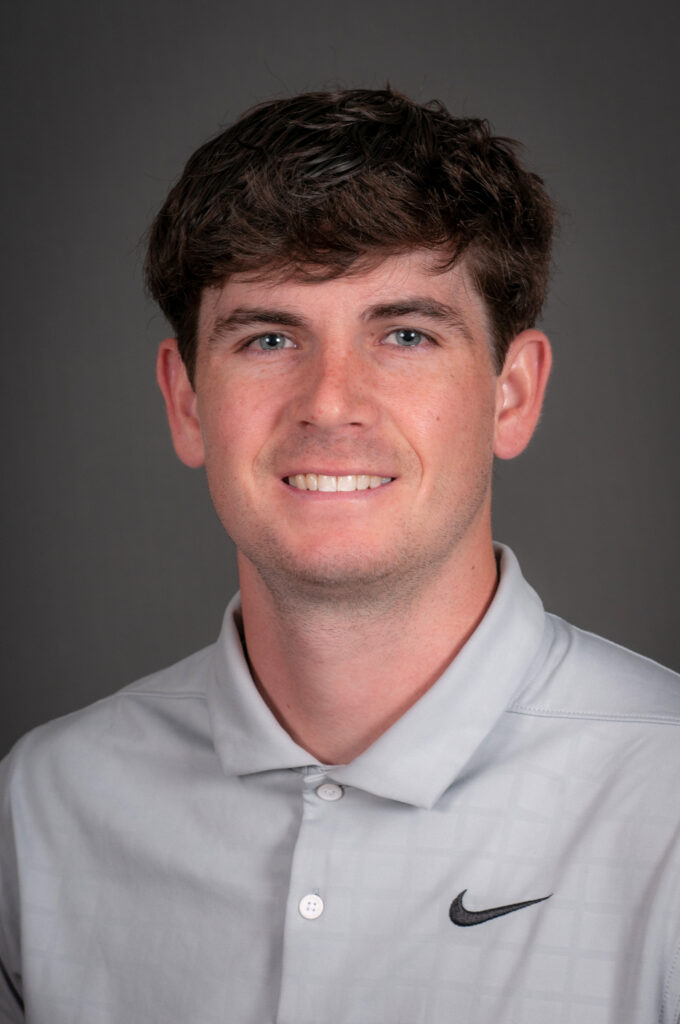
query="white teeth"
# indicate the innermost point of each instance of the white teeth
(323, 482)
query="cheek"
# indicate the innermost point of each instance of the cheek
(456, 419)
(235, 421)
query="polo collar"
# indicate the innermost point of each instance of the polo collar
(421, 755)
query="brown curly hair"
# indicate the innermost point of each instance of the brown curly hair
(313, 185)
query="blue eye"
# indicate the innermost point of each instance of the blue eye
(407, 337)
(272, 342)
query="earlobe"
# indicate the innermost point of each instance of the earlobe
(181, 404)
(519, 393)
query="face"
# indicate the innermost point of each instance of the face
(347, 426)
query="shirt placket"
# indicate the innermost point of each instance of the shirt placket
(314, 927)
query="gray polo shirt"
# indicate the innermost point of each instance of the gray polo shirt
(171, 856)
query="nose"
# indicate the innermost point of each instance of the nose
(336, 389)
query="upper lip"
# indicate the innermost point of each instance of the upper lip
(337, 472)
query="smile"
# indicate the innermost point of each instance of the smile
(322, 482)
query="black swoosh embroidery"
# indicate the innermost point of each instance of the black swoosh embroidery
(463, 917)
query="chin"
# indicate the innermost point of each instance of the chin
(332, 573)
(354, 581)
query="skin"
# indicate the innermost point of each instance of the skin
(354, 602)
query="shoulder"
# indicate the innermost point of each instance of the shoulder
(586, 676)
(148, 716)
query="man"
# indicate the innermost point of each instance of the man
(395, 791)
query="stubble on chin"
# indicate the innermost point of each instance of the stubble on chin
(347, 591)
(356, 584)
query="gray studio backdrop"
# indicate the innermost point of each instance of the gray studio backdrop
(114, 563)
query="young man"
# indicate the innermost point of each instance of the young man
(395, 790)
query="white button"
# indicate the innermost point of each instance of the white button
(329, 791)
(311, 906)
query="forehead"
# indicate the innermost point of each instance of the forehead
(387, 283)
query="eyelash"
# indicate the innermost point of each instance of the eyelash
(411, 330)
(251, 343)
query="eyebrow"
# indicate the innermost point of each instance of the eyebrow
(430, 308)
(244, 316)
(247, 316)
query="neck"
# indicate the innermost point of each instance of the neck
(336, 676)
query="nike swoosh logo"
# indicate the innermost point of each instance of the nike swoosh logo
(463, 917)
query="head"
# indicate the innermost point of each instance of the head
(353, 281)
(324, 185)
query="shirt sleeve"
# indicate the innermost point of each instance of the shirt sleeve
(11, 1001)
(670, 1013)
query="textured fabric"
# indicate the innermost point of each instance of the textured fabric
(156, 847)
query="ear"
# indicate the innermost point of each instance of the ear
(519, 392)
(181, 404)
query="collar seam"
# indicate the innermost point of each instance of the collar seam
(604, 716)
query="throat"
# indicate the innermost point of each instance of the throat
(335, 693)
(337, 675)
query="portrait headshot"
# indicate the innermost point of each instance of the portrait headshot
(341, 579)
